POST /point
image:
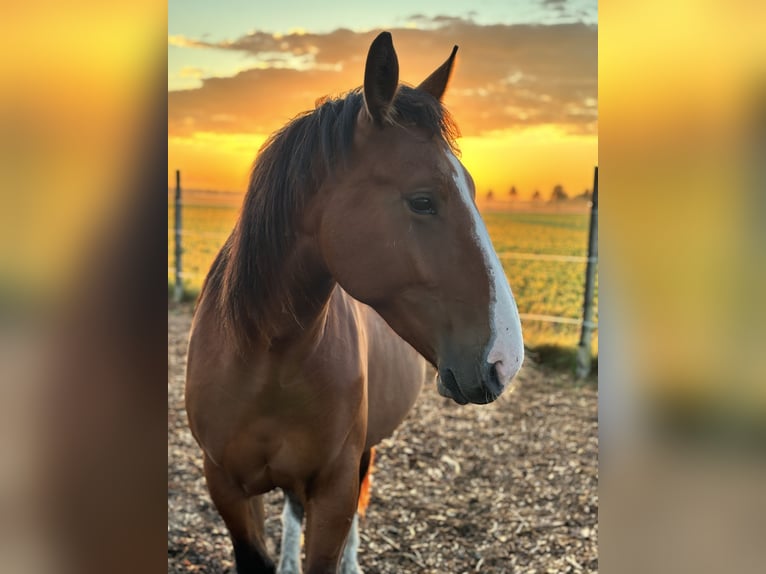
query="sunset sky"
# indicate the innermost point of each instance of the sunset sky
(524, 91)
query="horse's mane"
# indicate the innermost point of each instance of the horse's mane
(246, 276)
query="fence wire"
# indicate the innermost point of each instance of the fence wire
(504, 255)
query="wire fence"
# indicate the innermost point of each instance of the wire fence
(219, 238)
(585, 321)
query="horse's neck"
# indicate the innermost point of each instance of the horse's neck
(310, 289)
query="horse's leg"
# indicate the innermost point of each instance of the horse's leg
(330, 512)
(244, 517)
(349, 563)
(290, 556)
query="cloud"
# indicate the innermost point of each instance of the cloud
(183, 42)
(558, 5)
(562, 9)
(507, 76)
(191, 72)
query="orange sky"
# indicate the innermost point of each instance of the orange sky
(524, 97)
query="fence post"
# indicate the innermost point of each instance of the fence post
(179, 287)
(582, 369)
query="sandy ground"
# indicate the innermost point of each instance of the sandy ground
(509, 487)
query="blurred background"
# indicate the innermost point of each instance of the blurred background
(682, 272)
(682, 389)
(82, 320)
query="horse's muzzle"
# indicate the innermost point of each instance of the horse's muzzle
(482, 386)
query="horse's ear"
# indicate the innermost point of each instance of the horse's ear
(436, 83)
(381, 77)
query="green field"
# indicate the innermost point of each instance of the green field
(545, 287)
(541, 287)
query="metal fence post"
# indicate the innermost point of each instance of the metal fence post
(582, 369)
(179, 287)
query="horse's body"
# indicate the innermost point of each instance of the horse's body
(320, 381)
(352, 267)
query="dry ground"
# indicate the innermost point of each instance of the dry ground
(509, 487)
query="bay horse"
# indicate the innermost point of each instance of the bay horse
(359, 258)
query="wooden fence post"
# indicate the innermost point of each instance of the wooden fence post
(582, 369)
(179, 287)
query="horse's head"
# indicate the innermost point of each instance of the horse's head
(399, 230)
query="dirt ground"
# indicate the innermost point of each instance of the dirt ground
(509, 487)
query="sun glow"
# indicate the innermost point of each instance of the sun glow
(524, 126)
(535, 158)
(216, 161)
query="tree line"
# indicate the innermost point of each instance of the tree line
(557, 194)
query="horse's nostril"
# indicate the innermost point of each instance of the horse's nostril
(494, 380)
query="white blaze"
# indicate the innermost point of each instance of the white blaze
(506, 346)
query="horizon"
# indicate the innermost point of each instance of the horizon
(523, 93)
(574, 203)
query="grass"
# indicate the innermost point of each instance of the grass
(561, 358)
(543, 287)
(540, 287)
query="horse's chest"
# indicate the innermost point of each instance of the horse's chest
(273, 455)
(290, 431)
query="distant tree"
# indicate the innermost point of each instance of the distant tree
(490, 195)
(536, 195)
(558, 193)
(513, 193)
(587, 194)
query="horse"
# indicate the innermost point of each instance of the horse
(358, 271)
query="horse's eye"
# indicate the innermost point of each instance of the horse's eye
(422, 205)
